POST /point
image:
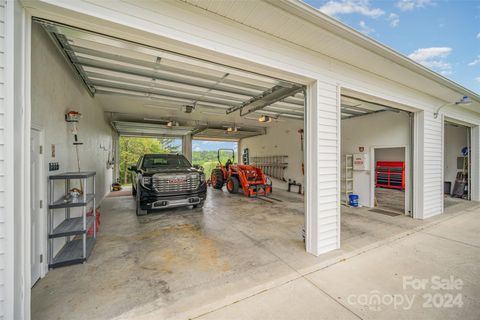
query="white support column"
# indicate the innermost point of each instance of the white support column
(15, 154)
(187, 146)
(428, 165)
(475, 163)
(322, 168)
(116, 167)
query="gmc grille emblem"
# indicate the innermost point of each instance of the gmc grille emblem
(177, 180)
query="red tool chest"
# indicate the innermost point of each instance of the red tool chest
(390, 174)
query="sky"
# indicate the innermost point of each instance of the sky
(440, 34)
(203, 145)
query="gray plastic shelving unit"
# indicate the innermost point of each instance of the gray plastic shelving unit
(79, 244)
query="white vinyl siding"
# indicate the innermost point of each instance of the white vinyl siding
(2, 160)
(322, 161)
(429, 162)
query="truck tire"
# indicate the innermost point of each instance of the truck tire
(233, 184)
(139, 210)
(134, 191)
(217, 179)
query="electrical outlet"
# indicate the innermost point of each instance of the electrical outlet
(53, 166)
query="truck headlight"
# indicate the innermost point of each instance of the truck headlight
(202, 178)
(146, 181)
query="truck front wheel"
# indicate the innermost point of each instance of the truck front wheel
(139, 210)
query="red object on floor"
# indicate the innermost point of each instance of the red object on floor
(97, 222)
(390, 174)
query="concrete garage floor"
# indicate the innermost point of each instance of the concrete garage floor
(390, 199)
(185, 263)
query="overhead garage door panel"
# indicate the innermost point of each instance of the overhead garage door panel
(113, 66)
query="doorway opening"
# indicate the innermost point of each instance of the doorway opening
(457, 163)
(390, 178)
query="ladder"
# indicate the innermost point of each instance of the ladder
(348, 177)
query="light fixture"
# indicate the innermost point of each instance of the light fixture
(232, 129)
(264, 118)
(464, 101)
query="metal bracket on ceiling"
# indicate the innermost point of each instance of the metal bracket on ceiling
(62, 44)
(375, 103)
(211, 88)
(266, 98)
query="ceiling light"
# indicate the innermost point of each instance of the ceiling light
(264, 118)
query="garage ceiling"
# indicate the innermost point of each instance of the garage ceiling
(222, 134)
(352, 107)
(201, 131)
(149, 129)
(111, 66)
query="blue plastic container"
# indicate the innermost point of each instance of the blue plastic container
(353, 200)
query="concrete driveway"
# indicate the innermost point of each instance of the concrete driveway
(431, 274)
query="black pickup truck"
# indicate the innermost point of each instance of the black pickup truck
(166, 181)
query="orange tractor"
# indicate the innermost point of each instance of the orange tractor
(251, 179)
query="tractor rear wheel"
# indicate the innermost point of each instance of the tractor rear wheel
(217, 179)
(233, 184)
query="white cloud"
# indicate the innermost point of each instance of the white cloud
(478, 35)
(430, 53)
(364, 28)
(478, 79)
(333, 8)
(408, 5)
(433, 58)
(394, 19)
(474, 62)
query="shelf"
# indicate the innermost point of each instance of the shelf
(77, 202)
(71, 227)
(72, 253)
(72, 175)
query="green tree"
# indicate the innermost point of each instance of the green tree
(132, 148)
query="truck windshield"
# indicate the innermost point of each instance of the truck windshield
(165, 161)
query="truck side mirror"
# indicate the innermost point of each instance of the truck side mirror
(198, 167)
(132, 168)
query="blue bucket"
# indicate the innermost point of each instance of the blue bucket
(353, 200)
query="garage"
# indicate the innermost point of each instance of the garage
(457, 162)
(376, 156)
(123, 90)
(324, 121)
